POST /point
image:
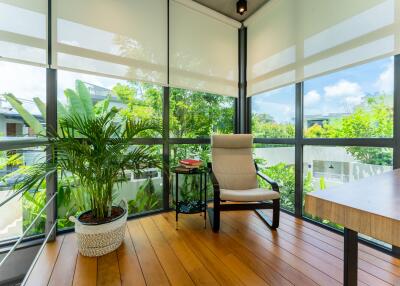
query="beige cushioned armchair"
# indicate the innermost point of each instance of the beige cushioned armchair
(234, 177)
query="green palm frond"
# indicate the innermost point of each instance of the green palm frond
(97, 151)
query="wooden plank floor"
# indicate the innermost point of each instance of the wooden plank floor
(245, 252)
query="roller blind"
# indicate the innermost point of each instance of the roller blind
(203, 51)
(23, 31)
(292, 40)
(120, 38)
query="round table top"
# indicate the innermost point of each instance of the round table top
(183, 170)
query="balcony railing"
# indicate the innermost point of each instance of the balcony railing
(49, 234)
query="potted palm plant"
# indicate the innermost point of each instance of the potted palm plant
(96, 151)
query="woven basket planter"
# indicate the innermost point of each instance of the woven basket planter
(100, 239)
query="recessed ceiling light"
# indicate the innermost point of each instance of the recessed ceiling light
(241, 6)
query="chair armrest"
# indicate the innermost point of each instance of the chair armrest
(273, 184)
(213, 179)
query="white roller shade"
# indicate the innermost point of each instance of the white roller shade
(203, 50)
(292, 40)
(23, 29)
(120, 38)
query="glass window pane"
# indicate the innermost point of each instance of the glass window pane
(133, 100)
(142, 193)
(189, 185)
(273, 113)
(328, 166)
(353, 103)
(196, 114)
(17, 214)
(22, 101)
(277, 162)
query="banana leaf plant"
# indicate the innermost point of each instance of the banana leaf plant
(79, 101)
(97, 150)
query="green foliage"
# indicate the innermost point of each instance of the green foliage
(146, 105)
(79, 100)
(264, 126)
(28, 118)
(146, 198)
(322, 185)
(283, 174)
(40, 105)
(32, 204)
(98, 157)
(198, 114)
(373, 119)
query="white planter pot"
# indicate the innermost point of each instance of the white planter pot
(100, 239)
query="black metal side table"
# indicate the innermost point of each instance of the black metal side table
(191, 207)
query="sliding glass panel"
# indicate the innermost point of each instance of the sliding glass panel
(22, 101)
(17, 214)
(273, 113)
(277, 162)
(196, 114)
(353, 103)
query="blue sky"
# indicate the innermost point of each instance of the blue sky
(338, 92)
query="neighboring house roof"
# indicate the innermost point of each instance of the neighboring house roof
(99, 93)
(325, 116)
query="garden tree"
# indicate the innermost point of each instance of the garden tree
(273, 130)
(373, 119)
(140, 100)
(264, 126)
(198, 114)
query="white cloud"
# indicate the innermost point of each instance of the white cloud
(311, 98)
(385, 80)
(343, 88)
(347, 94)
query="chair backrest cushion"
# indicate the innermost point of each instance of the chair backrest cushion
(232, 161)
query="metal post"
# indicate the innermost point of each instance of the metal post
(396, 127)
(165, 132)
(165, 156)
(350, 259)
(242, 110)
(51, 127)
(236, 115)
(248, 115)
(299, 151)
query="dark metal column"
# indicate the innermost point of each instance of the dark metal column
(242, 109)
(299, 151)
(165, 132)
(396, 127)
(51, 127)
(350, 257)
(165, 155)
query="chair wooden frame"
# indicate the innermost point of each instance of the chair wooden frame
(214, 212)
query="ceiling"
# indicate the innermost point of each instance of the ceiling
(228, 7)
